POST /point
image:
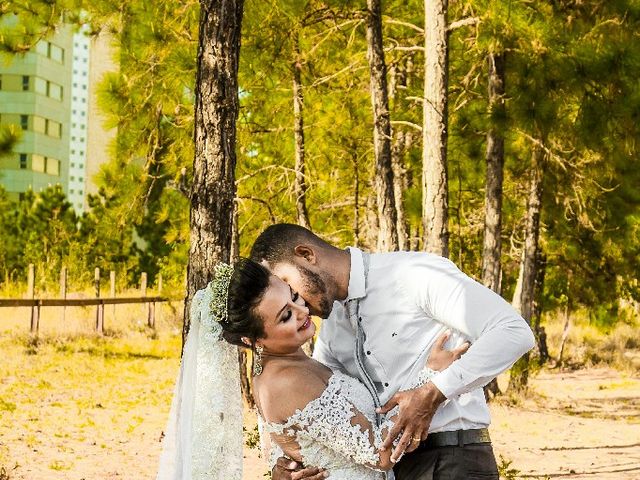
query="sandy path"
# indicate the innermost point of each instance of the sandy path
(578, 425)
(80, 415)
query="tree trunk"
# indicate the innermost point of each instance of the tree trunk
(525, 295)
(356, 201)
(216, 110)
(493, 196)
(387, 217)
(298, 105)
(541, 336)
(434, 129)
(495, 163)
(400, 145)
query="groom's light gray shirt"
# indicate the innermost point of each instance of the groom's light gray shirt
(409, 300)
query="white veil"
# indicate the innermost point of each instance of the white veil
(203, 439)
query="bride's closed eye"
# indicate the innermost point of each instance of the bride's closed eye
(294, 297)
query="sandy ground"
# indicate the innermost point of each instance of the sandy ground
(101, 418)
(577, 425)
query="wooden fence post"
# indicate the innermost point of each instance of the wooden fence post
(31, 293)
(159, 294)
(99, 308)
(63, 290)
(112, 291)
(150, 305)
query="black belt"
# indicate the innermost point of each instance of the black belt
(458, 438)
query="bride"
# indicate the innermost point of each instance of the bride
(314, 415)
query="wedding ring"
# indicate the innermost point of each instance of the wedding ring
(415, 439)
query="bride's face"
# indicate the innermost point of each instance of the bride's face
(287, 323)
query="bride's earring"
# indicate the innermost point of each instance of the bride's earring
(257, 360)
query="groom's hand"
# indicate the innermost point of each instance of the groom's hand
(287, 469)
(417, 408)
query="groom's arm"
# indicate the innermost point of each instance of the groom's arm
(498, 333)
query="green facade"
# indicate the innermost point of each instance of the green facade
(35, 95)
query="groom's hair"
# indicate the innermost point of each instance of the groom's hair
(277, 242)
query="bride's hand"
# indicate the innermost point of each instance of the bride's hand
(439, 358)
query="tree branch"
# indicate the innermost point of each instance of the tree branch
(408, 124)
(463, 23)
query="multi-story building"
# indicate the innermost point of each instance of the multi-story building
(50, 94)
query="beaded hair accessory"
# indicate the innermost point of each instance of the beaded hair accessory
(220, 291)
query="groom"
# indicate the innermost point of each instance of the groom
(383, 314)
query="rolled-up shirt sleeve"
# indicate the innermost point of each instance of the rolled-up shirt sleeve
(498, 333)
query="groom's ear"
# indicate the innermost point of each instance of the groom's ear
(307, 253)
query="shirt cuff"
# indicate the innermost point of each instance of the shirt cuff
(448, 383)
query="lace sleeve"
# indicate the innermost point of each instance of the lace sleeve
(271, 451)
(423, 378)
(334, 424)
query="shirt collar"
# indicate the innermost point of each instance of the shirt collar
(357, 285)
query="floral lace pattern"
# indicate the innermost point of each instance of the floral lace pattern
(327, 438)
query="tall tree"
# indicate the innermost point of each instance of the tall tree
(387, 214)
(494, 178)
(492, 247)
(525, 293)
(298, 129)
(216, 111)
(435, 202)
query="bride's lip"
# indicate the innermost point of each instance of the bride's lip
(306, 324)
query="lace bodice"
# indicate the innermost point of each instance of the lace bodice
(338, 430)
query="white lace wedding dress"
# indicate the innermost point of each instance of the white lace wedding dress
(338, 431)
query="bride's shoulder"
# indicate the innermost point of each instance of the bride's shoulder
(287, 389)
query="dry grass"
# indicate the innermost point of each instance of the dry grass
(75, 402)
(77, 405)
(587, 345)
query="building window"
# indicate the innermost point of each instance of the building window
(41, 86)
(55, 53)
(54, 129)
(23, 161)
(54, 91)
(42, 47)
(25, 83)
(52, 166)
(38, 163)
(24, 122)
(39, 124)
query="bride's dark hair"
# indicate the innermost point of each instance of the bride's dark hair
(248, 284)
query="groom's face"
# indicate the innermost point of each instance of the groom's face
(309, 282)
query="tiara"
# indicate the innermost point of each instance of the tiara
(220, 291)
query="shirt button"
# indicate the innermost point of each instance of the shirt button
(386, 384)
(368, 352)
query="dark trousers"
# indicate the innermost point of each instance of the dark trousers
(474, 461)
